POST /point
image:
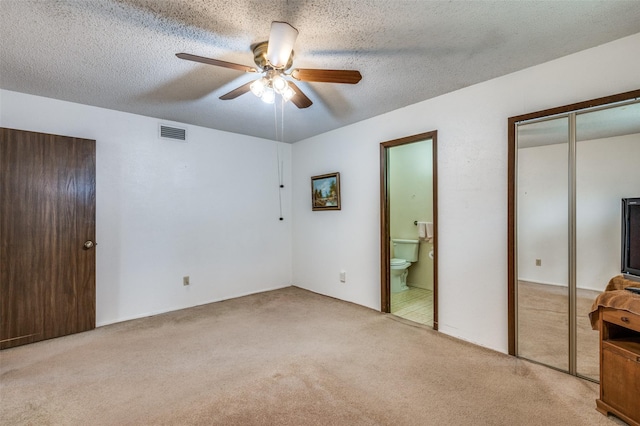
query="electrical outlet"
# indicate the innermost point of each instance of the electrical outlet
(343, 277)
(185, 280)
(538, 262)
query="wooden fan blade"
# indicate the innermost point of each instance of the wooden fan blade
(216, 62)
(299, 99)
(237, 92)
(327, 76)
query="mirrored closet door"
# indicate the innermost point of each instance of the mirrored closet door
(543, 239)
(571, 170)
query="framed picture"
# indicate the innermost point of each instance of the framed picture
(325, 192)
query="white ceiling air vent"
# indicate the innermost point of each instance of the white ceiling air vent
(175, 133)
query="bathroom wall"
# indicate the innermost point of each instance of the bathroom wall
(208, 208)
(411, 198)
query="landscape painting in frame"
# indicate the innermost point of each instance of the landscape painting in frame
(325, 192)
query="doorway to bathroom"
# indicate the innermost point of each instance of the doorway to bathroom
(408, 216)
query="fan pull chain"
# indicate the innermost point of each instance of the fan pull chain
(280, 163)
(280, 181)
(275, 119)
(282, 119)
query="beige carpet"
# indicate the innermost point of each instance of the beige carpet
(285, 357)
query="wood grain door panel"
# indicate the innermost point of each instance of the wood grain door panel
(48, 212)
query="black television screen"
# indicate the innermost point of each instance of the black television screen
(631, 236)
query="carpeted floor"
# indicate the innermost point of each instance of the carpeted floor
(285, 357)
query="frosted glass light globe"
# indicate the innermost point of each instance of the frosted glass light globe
(279, 84)
(257, 87)
(268, 96)
(288, 93)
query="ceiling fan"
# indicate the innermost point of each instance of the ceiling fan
(273, 59)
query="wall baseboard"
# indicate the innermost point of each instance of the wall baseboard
(560, 285)
(178, 308)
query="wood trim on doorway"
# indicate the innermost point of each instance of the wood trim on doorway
(511, 189)
(385, 282)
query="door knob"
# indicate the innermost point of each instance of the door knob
(88, 244)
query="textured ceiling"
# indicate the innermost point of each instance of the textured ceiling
(120, 54)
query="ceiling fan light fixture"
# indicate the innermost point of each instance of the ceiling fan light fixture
(269, 96)
(273, 59)
(258, 87)
(271, 84)
(281, 40)
(288, 93)
(279, 83)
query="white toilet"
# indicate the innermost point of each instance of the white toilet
(405, 252)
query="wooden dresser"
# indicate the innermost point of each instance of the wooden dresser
(619, 364)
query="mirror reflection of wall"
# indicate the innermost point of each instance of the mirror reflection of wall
(543, 238)
(607, 170)
(543, 200)
(607, 149)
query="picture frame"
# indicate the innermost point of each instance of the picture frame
(325, 192)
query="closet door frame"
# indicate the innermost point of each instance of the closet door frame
(569, 111)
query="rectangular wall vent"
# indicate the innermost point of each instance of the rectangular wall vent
(174, 133)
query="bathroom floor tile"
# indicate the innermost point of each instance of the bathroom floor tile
(415, 304)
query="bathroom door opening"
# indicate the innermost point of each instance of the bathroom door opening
(408, 230)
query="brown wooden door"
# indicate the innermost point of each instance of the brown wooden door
(47, 213)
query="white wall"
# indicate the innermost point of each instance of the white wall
(607, 170)
(472, 187)
(207, 208)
